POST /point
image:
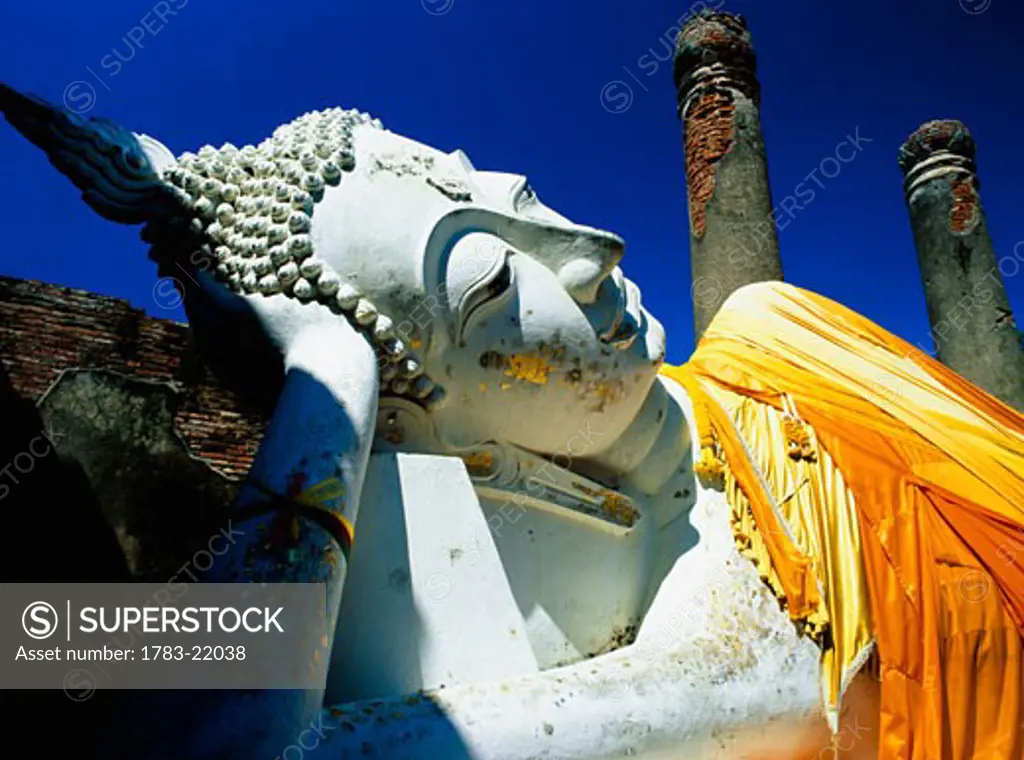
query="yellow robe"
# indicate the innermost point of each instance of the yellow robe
(881, 496)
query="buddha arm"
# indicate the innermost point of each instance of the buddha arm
(322, 428)
(321, 431)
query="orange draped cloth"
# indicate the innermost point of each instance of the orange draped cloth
(881, 496)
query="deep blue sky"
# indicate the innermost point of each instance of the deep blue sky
(517, 84)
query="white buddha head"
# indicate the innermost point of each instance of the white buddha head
(522, 317)
(497, 317)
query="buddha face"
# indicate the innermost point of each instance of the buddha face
(523, 317)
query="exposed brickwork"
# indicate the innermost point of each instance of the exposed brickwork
(722, 31)
(970, 314)
(45, 329)
(717, 95)
(715, 44)
(710, 132)
(934, 136)
(964, 213)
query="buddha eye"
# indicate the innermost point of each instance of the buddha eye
(525, 196)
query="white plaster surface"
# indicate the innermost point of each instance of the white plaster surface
(715, 657)
(426, 600)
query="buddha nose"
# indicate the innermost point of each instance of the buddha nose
(591, 258)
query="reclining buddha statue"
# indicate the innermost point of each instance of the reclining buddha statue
(538, 539)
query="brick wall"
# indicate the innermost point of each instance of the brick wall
(45, 329)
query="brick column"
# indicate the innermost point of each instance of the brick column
(733, 240)
(972, 324)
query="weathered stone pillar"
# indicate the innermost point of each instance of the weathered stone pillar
(972, 324)
(733, 240)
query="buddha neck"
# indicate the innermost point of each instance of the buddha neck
(654, 449)
(651, 462)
